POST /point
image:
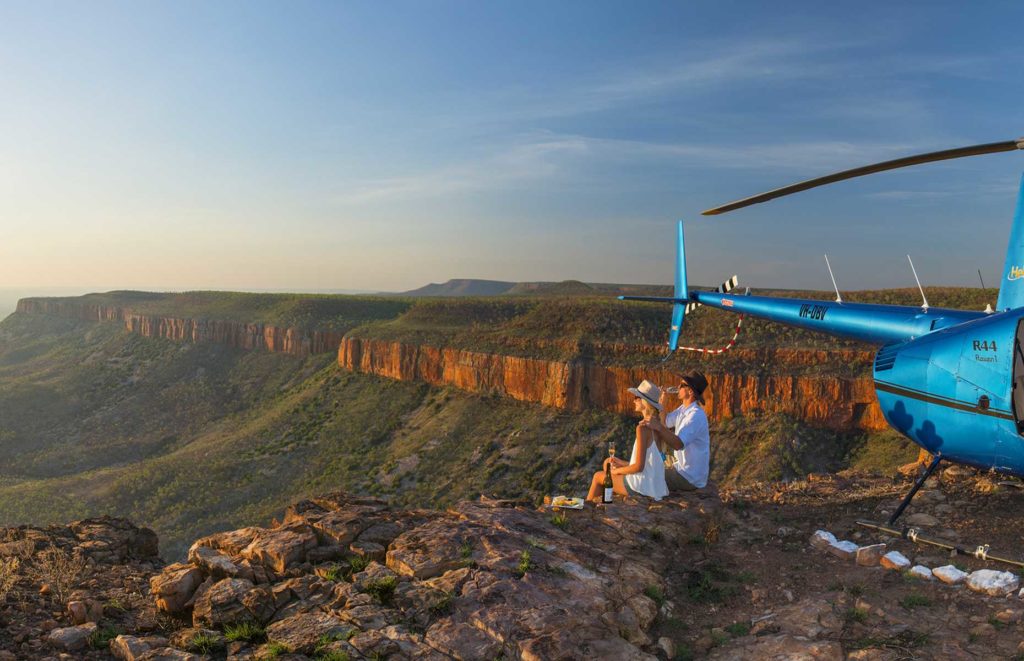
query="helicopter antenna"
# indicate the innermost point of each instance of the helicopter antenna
(988, 306)
(839, 298)
(906, 161)
(924, 301)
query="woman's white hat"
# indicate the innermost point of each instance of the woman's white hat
(649, 392)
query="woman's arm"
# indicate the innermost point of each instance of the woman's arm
(641, 445)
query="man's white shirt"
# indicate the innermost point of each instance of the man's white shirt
(691, 426)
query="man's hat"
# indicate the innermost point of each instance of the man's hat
(698, 382)
(649, 392)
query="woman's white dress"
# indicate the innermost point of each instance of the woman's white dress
(651, 480)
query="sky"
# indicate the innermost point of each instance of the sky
(366, 146)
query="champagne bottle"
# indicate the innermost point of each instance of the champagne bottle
(609, 488)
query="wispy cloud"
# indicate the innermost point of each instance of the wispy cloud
(544, 157)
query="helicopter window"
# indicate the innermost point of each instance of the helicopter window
(1018, 380)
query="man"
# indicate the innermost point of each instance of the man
(685, 432)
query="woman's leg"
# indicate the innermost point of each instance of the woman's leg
(596, 484)
(619, 483)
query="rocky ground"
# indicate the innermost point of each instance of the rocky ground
(697, 577)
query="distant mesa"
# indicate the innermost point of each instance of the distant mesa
(463, 287)
(475, 287)
(564, 288)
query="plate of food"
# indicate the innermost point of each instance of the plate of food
(567, 502)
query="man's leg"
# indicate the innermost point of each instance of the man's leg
(676, 482)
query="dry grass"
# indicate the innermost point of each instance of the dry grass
(59, 570)
(8, 576)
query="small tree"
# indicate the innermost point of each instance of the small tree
(60, 570)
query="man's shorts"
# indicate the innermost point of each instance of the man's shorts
(676, 482)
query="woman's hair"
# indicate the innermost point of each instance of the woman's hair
(650, 410)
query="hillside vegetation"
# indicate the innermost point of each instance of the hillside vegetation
(193, 438)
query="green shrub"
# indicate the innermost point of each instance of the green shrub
(656, 594)
(204, 643)
(382, 589)
(912, 601)
(525, 563)
(245, 631)
(100, 639)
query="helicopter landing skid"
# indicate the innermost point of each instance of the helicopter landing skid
(917, 485)
(981, 551)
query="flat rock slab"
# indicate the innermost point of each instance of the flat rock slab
(301, 633)
(949, 574)
(993, 582)
(845, 550)
(869, 556)
(895, 560)
(920, 571)
(779, 647)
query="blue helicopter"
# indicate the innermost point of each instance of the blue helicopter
(952, 381)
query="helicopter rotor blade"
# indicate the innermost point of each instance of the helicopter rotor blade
(960, 152)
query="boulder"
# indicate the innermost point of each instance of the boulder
(920, 571)
(281, 548)
(949, 574)
(231, 542)
(214, 562)
(895, 560)
(233, 600)
(993, 582)
(869, 556)
(845, 550)
(340, 528)
(130, 648)
(72, 639)
(822, 540)
(174, 586)
(82, 611)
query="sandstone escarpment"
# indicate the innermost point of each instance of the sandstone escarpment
(239, 335)
(837, 402)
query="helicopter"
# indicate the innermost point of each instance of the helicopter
(951, 381)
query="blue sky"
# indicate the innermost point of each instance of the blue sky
(300, 145)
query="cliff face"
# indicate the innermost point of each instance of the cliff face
(840, 403)
(833, 401)
(290, 340)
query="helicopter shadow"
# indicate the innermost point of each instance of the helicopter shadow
(903, 422)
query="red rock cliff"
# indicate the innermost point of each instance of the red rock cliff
(249, 336)
(837, 402)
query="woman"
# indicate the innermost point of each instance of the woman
(645, 472)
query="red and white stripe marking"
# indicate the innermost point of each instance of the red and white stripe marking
(715, 352)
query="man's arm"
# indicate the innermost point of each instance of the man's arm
(663, 433)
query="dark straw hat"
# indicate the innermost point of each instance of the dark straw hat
(698, 382)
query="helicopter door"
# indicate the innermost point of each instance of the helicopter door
(1018, 378)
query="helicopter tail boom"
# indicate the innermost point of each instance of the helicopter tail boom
(877, 324)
